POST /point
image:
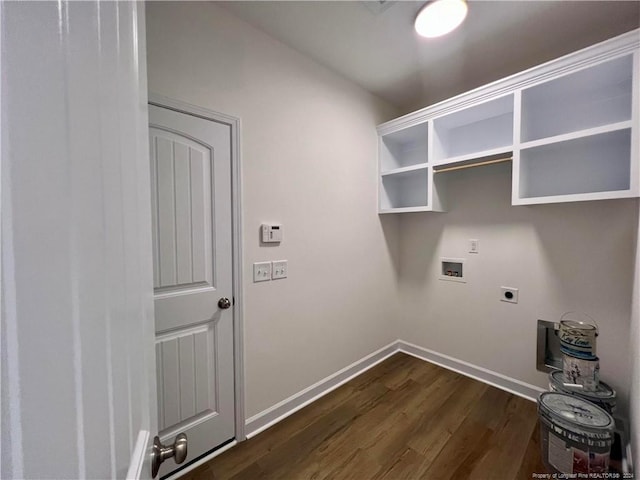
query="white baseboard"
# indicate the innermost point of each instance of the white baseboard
(265, 419)
(288, 406)
(511, 385)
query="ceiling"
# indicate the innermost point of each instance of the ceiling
(374, 43)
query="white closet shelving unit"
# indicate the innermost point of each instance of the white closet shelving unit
(575, 134)
(570, 127)
(404, 170)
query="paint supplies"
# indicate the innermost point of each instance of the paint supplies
(603, 396)
(578, 332)
(576, 435)
(576, 426)
(581, 366)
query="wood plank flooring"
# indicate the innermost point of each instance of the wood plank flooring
(403, 419)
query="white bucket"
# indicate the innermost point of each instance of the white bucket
(581, 371)
(604, 396)
(575, 435)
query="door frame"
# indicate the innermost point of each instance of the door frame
(236, 232)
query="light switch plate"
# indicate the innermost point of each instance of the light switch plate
(474, 245)
(261, 272)
(279, 269)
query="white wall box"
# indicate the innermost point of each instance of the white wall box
(570, 125)
(452, 270)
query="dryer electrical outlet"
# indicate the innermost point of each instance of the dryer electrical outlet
(509, 294)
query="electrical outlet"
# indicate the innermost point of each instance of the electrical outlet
(261, 272)
(509, 294)
(279, 269)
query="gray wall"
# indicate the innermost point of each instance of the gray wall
(308, 154)
(562, 257)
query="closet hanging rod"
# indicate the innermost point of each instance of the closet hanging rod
(472, 165)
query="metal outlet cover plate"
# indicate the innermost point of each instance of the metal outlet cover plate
(548, 354)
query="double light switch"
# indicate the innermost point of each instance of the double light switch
(265, 271)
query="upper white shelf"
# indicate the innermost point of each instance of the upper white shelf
(404, 148)
(592, 97)
(483, 128)
(571, 127)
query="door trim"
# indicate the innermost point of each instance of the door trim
(138, 456)
(236, 232)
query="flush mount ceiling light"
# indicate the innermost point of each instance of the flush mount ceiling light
(440, 17)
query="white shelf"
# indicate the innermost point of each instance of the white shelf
(406, 210)
(592, 97)
(578, 167)
(506, 151)
(404, 190)
(410, 168)
(579, 197)
(580, 134)
(570, 126)
(404, 148)
(468, 132)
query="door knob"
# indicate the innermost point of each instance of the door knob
(161, 452)
(224, 303)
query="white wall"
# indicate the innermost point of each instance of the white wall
(634, 360)
(562, 257)
(308, 152)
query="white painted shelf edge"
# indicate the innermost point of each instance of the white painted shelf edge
(506, 150)
(575, 197)
(410, 168)
(627, 124)
(406, 209)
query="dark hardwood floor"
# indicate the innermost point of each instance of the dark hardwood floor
(403, 419)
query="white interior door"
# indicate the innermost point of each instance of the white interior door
(78, 390)
(192, 252)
